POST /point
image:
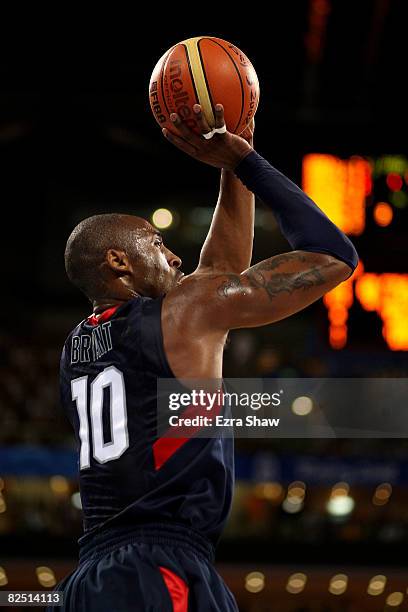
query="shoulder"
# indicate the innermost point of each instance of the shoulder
(190, 293)
(205, 290)
(202, 301)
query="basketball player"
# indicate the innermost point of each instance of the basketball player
(154, 508)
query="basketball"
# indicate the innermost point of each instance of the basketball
(206, 71)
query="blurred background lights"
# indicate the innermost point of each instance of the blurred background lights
(3, 577)
(394, 181)
(395, 599)
(162, 218)
(338, 584)
(383, 214)
(387, 294)
(297, 489)
(292, 504)
(59, 485)
(45, 576)
(338, 315)
(338, 302)
(391, 289)
(377, 585)
(340, 489)
(76, 500)
(399, 199)
(382, 494)
(272, 491)
(254, 582)
(340, 503)
(296, 583)
(340, 506)
(339, 187)
(302, 405)
(390, 164)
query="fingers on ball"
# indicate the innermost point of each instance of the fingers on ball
(219, 116)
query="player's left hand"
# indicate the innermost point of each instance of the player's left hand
(222, 149)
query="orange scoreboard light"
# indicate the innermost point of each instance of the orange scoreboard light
(343, 189)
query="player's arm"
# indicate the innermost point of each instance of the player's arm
(301, 221)
(322, 256)
(267, 292)
(228, 245)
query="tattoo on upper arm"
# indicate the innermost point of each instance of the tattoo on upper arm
(284, 282)
(231, 285)
(278, 260)
(287, 281)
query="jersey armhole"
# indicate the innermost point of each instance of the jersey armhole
(161, 340)
(152, 335)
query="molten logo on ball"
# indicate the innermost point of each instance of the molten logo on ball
(154, 103)
(180, 96)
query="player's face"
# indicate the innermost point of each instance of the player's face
(156, 268)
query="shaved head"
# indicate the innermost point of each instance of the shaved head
(88, 265)
(87, 247)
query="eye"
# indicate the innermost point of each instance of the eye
(158, 243)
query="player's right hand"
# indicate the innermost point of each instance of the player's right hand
(248, 133)
(222, 150)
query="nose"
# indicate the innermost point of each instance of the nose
(173, 260)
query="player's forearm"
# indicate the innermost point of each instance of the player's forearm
(228, 245)
(301, 221)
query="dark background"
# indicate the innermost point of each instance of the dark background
(76, 138)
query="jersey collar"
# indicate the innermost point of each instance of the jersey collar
(104, 316)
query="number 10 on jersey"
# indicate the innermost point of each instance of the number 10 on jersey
(112, 379)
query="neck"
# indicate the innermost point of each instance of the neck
(101, 304)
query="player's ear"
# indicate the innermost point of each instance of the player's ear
(118, 261)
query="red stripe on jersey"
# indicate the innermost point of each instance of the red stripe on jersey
(177, 588)
(164, 447)
(104, 316)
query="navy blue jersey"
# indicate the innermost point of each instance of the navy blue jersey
(109, 371)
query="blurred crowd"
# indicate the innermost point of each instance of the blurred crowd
(29, 396)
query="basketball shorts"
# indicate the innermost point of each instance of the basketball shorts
(151, 568)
